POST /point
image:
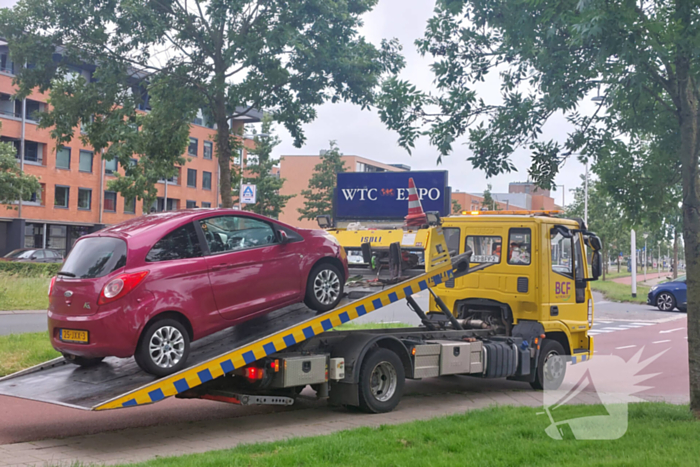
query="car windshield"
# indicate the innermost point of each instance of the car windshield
(20, 254)
(95, 257)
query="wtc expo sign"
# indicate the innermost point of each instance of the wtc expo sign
(384, 195)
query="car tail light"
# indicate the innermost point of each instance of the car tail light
(120, 286)
(53, 281)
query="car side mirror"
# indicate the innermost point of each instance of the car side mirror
(596, 265)
(284, 238)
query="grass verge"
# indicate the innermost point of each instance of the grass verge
(620, 292)
(20, 351)
(23, 293)
(658, 434)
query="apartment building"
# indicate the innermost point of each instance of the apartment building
(75, 198)
(297, 170)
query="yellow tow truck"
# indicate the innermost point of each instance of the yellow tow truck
(528, 278)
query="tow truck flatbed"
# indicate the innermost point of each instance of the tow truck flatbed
(117, 383)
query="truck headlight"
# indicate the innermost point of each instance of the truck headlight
(590, 312)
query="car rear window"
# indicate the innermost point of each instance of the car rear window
(95, 257)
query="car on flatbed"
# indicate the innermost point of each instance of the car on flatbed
(150, 286)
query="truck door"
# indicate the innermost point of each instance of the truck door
(564, 266)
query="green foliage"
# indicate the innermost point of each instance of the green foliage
(225, 58)
(260, 164)
(319, 196)
(456, 207)
(14, 184)
(489, 203)
(29, 269)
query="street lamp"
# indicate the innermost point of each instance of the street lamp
(645, 256)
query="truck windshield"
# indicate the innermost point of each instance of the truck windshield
(95, 257)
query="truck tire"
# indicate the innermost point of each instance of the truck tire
(555, 370)
(382, 378)
(85, 362)
(324, 288)
(163, 348)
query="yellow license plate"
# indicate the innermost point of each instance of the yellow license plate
(69, 335)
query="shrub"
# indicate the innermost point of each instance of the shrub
(29, 269)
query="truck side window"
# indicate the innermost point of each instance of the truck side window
(452, 235)
(485, 249)
(519, 246)
(562, 261)
(578, 258)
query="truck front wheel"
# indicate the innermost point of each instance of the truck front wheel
(550, 370)
(382, 379)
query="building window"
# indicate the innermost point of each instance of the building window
(208, 149)
(160, 205)
(111, 166)
(85, 161)
(37, 199)
(192, 178)
(206, 180)
(206, 205)
(110, 204)
(129, 205)
(133, 162)
(61, 196)
(6, 64)
(63, 158)
(32, 152)
(84, 199)
(191, 204)
(192, 148)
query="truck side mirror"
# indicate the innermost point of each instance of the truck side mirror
(596, 265)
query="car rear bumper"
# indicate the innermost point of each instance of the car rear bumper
(109, 334)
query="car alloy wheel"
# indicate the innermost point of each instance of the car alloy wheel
(326, 286)
(167, 346)
(665, 302)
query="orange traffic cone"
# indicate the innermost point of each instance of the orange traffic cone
(416, 217)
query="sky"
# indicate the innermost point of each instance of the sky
(361, 133)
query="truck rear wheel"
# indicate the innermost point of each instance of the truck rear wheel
(550, 371)
(382, 378)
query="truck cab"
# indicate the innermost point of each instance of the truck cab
(524, 267)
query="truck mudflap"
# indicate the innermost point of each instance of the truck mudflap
(118, 383)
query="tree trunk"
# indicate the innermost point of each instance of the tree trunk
(675, 254)
(223, 150)
(689, 151)
(606, 259)
(618, 264)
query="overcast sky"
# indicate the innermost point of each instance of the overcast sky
(361, 133)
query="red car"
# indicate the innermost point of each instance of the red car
(150, 286)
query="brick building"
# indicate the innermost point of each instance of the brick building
(74, 198)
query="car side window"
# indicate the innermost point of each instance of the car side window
(178, 244)
(38, 254)
(561, 250)
(235, 233)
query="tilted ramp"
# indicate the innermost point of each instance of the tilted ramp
(120, 383)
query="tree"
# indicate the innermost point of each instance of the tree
(489, 203)
(639, 58)
(259, 165)
(319, 196)
(225, 58)
(14, 184)
(456, 207)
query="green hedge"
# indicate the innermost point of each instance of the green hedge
(29, 269)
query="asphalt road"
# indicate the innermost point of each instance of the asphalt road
(22, 322)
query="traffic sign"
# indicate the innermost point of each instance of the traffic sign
(249, 192)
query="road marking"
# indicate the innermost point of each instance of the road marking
(662, 342)
(628, 326)
(625, 347)
(603, 322)
(612, 329)
(671, 330)
(602, 302)
(645, 324)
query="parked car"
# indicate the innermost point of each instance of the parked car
(150, 286)
(34, 255)
(669, 295)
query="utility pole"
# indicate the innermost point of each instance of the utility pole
(585, 204)
(645, 256)
(633, 261)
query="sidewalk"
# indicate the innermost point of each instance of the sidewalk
(640, 277)
(22, 312)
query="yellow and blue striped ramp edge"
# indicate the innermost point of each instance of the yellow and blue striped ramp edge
(226, 363)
